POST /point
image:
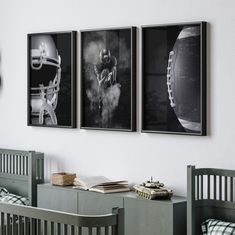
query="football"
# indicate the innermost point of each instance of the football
(183, 78)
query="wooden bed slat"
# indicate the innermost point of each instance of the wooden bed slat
(58, 228)
(113, 230)
(220, 187)
(98, 230)
(2, 223)
(65, 229)
(0, 162)
(22, 169)
(106, 230)
(72, 230)
(231, 189)
(26, 226)
(13, 164)
(90, 231)
(45, 227)
(8, 224)
(197, 187)
(79, 230)
(14, 225)
(52, 228)
(215, 187)
(20, 225)
(21, 165)
(17, 169)
(39, 228)
(208, 186)
(32, 226)
(226, 188)
(42, 169)
(201, 186)
(26, 166)
(3, 163)
(7, 163)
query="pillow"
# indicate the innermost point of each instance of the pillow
(15, 199)
(218, 227)
(3, 192)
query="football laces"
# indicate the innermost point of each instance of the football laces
(169, 87)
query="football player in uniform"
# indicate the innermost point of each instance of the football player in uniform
(106, 73)
(106, 69)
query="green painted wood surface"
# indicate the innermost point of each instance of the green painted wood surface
(142, 217)
(58, 198)
(154, 217)
(95, 203)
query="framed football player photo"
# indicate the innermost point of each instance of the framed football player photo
(52, 79)
(108, 79)
(174, 78)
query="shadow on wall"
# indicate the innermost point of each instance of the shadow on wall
(51, 165)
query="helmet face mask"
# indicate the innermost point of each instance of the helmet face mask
(46, 75)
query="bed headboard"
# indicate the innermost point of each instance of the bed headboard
(210, 194)
(21, 171)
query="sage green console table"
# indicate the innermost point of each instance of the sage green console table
(142, 217)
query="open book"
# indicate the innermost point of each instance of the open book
(101, 184)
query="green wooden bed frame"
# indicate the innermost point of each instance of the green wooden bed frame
(210, 194)
(21, 171)
(23, 220)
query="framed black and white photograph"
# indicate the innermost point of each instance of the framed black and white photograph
(108, 79)
(52, 79)
(174, 78)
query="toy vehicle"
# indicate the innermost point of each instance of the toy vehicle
(153, 190)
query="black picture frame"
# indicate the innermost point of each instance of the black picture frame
(159, 115)
(59, 91)
(86, 114)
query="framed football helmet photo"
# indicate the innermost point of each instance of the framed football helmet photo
(174, 78)
(52, 79)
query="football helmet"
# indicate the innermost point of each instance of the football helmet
(45, 79)
(105, 55)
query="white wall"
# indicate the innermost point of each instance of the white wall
(132, 156)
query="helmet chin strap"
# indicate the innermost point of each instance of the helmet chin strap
(46, 107)
(55, 89)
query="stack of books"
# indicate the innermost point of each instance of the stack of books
(100, 184)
